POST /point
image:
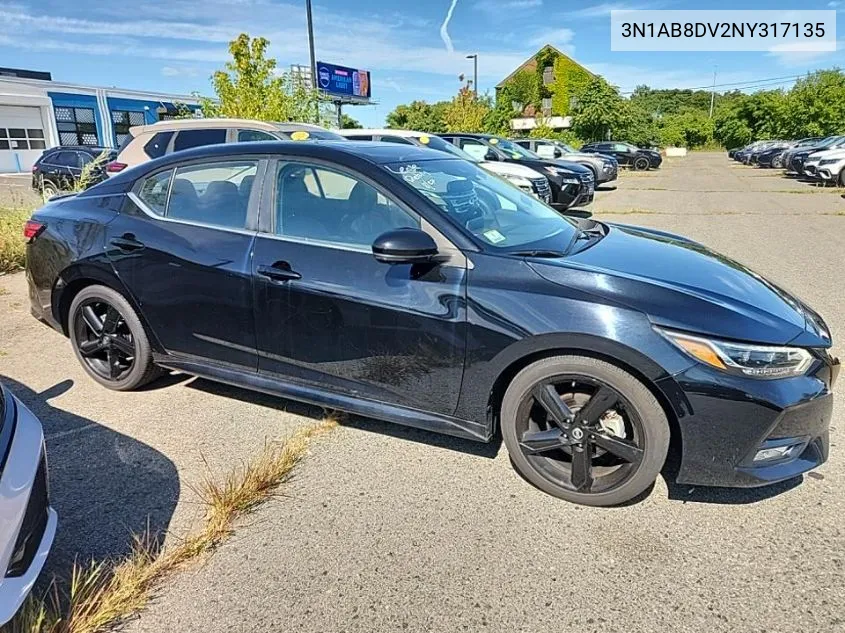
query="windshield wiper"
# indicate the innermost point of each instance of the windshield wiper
(539, 253)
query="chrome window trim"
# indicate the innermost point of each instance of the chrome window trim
(155, 216)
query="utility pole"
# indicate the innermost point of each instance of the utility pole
(313, 58)
(713, 92)
(474, 58)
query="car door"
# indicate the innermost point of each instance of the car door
(329, 315)
(62, 169)
(182, 246)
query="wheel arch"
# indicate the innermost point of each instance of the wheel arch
(75, 278)
(528, 351)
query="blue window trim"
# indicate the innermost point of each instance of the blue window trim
(70, 100)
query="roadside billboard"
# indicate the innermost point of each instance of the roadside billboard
(343, 82)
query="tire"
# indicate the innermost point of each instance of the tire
(120, 356)
(48, 189)
(840, 180)
(641, 163)
(638, 418)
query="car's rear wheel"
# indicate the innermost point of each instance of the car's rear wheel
(48, 189)
(641, 163)
(584, 430)
(840, 180)
(109, 339)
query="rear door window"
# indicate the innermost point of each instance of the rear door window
(186, 139)
(212, 193)
(474, 148)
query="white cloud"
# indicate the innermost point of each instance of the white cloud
(499, 7)
(444, 28)
(180, 71)
(560, 38)
(833, 4)
(603, 10)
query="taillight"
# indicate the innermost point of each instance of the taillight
(33, 229)
(114, 167)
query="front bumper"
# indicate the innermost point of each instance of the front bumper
(608, 173)
(27, 522)
(726, 420)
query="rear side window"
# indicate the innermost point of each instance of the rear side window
(156, 147)
(247, 136)
(186, 139)
(154, 191)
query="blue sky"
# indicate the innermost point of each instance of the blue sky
(173, 46)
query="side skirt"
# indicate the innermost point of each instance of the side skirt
(311, 394)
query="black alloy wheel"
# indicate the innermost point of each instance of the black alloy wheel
(641, 163)
(584, 430)
(104, 340)
(109, 340)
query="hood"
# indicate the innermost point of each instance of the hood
(683, 285)
(573, 167)
(828, 153)
(511, 169)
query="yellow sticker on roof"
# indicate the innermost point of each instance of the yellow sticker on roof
(300, 135)
(493, 141)
(425, 140)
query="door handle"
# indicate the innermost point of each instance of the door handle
(280, 271)
(127, 243)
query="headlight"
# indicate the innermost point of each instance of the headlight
(755, 361)
(571, 181)
(829, 161)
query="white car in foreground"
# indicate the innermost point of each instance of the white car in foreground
(27, 522)
(527, 179)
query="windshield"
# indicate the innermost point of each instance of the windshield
(496, 213)
(509, 147)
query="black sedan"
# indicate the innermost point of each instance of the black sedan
(626, 154)
(396, 282)
(572, 185)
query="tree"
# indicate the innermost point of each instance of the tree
(348, 123)
(466, 113)
(418, 115)
(250, 88)
(600, 110)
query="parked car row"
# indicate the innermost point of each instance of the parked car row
(548, 169)
(814, 159)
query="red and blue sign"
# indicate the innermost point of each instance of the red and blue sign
(343, 81)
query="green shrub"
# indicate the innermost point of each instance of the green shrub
(12, 242)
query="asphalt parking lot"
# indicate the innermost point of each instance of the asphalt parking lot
(385, 528)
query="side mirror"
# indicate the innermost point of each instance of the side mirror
(491, 155)
(405, 246)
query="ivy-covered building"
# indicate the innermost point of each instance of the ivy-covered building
(543, 90)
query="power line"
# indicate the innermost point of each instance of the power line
(737, 84)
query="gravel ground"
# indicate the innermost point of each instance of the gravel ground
(386, 528)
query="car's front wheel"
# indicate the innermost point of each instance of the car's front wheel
(641, 163)
(584, 430)
(109, 339)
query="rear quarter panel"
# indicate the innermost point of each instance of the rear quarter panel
(74, 237)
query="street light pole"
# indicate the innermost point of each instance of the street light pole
(474, 58)
(713, 93)
(313, 58)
